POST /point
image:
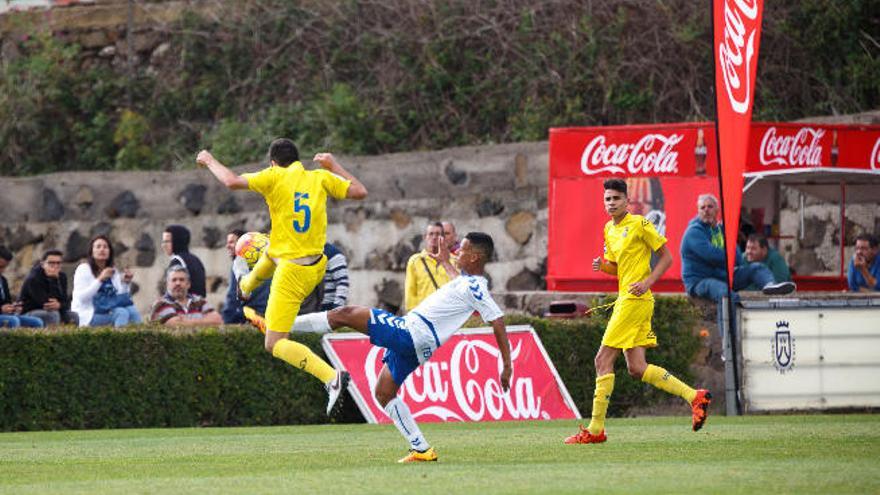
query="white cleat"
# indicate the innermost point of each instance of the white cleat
(335, 389)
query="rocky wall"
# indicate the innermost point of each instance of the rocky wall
(501, 190)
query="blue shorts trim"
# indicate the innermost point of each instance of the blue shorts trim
(389, 331)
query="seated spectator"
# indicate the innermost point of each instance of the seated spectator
(335, 279)
(233, 305)
(863, 273)
(231, 311)
(428, 269)
(175, 243)
(101, 293)
(758, 250)
(44, 292)
(703, 261)
(179, 306)
(10, 311)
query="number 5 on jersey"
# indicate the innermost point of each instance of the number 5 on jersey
(300, 206)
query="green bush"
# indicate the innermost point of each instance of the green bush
(156, 377)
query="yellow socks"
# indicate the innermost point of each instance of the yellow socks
(604, 387)
(663, 380)
(303, 358)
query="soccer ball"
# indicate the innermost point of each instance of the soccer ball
(250, 246)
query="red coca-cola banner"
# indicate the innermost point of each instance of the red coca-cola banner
(576, 215)
(776, 146)
(460, 382)
(858, 147)
(737, 28)
(667, 150)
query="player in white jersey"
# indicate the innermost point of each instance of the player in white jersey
(411, 340)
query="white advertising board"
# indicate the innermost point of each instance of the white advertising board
(810, 358)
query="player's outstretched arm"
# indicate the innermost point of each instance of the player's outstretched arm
(229, 178)
(356, 190)
(504, 346)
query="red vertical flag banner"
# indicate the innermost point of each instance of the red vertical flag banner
(737, 35)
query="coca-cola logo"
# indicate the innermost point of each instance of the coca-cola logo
(875, 156)
(652, 153)
(469, 380)
(800, 150)
(740, 29)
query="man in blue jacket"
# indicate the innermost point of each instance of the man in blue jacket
(863, 273)
(232, 306)
(703, 268)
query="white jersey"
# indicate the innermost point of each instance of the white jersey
(441, 314)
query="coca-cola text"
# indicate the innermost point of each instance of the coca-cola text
(802, 149)
(651, 154)
(739, 32)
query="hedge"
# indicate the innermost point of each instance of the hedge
(156, 377)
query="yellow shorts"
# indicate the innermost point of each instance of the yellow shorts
(630, 325)
(291, 284)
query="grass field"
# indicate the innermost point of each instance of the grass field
(770, 454)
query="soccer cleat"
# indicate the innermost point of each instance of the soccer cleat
(584, 436)
(778, 288)
(256, 320)
(416, 456)
(700, 408)
(335, 389)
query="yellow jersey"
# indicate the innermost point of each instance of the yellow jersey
(297, 201)
(418, 283)
(630, 244)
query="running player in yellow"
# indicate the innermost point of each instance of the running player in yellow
(629, 241)
(295, 261)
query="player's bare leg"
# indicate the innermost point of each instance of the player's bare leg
(354, 317)
(638, 368)
(386, 394)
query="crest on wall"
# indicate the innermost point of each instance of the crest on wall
(782, 347)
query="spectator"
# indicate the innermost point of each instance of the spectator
(335, 279)
(175, 243)
(758, 250)
(233, 306)
(703, 268)
(863, 273)
(101, 293)
(428, 269)
(179, 306)
(231, 311)
(450, 237)
(44, 292)
(10, 311)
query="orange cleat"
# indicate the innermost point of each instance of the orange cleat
(416, 456)
(255, 318)
(700, 408)
(584, 436)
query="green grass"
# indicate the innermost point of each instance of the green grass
(769, 454)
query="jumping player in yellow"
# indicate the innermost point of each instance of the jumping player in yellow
(295, 261)
(629, 241)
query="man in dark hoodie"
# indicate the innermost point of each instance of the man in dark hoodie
(44, 292)
(175, 243)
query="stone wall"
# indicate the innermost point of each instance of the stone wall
(501, 190)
